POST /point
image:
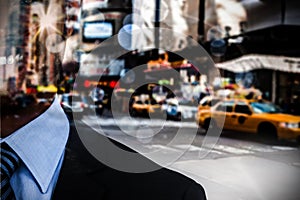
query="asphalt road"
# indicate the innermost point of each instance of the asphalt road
(232, 166)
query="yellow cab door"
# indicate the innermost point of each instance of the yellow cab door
(223, 114)
(241, 117)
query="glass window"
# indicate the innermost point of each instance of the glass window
(139, 102)
(214, 102)
(242, 108)
(204, 103)
(263, 107)
(226, 106)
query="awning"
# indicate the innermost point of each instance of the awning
(253, 61)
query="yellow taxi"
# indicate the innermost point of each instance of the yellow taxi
(208, 101)
(145, 108)
(253, 116)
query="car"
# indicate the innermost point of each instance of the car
(146, 108)
(171, 109)
(179, 109)
(72, 103)
(253, 116)
(208, 101)
(92, 107)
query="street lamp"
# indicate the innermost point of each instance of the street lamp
(156, 31)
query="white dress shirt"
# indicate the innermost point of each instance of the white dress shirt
(40, 145)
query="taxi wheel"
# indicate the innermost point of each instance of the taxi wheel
(298, 140)
(133, 113)
(210, 124)
(206, 124)
(146, 114)
(178, 117)
(267, 131)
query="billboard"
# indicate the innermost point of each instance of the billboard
(181, 17)
(231, 17)
(100, 65)
(97, 30)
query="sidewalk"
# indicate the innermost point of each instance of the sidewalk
(245, 177)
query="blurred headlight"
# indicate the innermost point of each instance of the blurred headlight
(289, 125)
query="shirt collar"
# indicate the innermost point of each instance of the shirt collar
(41, 143)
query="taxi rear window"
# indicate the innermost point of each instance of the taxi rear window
(226, 106)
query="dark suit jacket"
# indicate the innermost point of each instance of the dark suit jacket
(83, 177)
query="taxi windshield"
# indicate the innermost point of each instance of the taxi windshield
(259, 107)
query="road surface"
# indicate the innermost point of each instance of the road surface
(233, 166)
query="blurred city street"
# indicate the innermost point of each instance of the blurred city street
(207, 88)
(240, 166)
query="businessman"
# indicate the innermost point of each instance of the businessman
(37, 135)
(43, 158)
